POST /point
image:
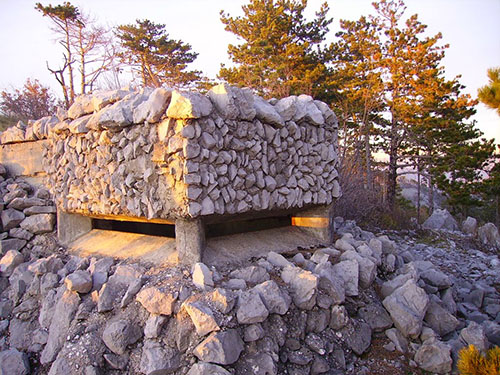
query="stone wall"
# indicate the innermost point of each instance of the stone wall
(165, 154)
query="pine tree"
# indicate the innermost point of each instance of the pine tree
(88, 50)
(157, 59)
(490, 94)
(356, 58)
(281, 53)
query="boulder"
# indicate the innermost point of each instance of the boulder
(278, 260)
(64, 312)
(251, 274)
(266, 112)
(474, 334)
(153, 326)
(469, 226)
(159, 359)
(185, 105)
(367, 268)
(201, 316)
(114, 289)
(152, 109)
(330, 283)
(11, 218)
(37, 224)
(14, 362)
(232, 102)
(276, 300)
(489, 236)
(407, 306)
(436, 278)
(348, 270)
(251, 309)
(120, 334)
(202, 368)
(434, 356)
(79, 281)
(304, 285)
(223, 348)
(376, 317)
(156, 301)
(202, 276)
(439, 319)
(441, 219)
(358, 336)
(10, 261)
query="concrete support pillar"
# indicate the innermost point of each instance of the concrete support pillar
(71, 226)
(317, 221)
(190, 240)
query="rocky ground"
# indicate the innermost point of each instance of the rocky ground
(372, 303)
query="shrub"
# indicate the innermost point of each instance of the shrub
(472, 362)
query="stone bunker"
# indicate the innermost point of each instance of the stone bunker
(187, 164)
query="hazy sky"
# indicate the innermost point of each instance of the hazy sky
(470, 27)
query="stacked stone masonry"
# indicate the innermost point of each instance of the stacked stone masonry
(167, 154)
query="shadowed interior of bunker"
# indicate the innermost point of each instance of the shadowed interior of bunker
(212, 230)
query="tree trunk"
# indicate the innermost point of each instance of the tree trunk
(431, 196)
(368, 158)
(82, 62)
(418, 192)
(70, 66)
(393, 166)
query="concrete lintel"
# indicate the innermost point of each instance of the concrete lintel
(71, 226)
(317, 221)
(190, 240)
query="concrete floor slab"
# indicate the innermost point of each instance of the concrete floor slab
(232, 249)
(124, 245)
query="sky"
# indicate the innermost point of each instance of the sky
(470, 27)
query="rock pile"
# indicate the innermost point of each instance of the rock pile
(310, 312)
(174, 154)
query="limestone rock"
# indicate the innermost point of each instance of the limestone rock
(152, 109)
(339, 317)
(51, 264)
(251, 274)
(114, 289)
(330, 282)
(304, 285)
(474, 334)
(348, 270)
(120, 334)
(436, 278)
(201, 316)
(441, 219)
(434, 356)
(358, 337)
(153, 326)
(158, 359)
(14, 362)
(277, 260)
(223, 348)
(469, 226)
(64, 312)
(266, 112)
(222, 299)
(11, 218)
(488, 235)
(156, 301)
(10, 261)
(251, 309)
(79, 281)
(376, 317)
(14, 134)
(439, 319)
(202, 276)
(407, 306)
(184, 105)
(367, 268)
(233, 102)
(41, 223)
(202, 368)
(276, 300)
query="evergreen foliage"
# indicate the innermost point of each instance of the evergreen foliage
(281, 52)
(472, 362)
(490, 94)
(157, 59)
